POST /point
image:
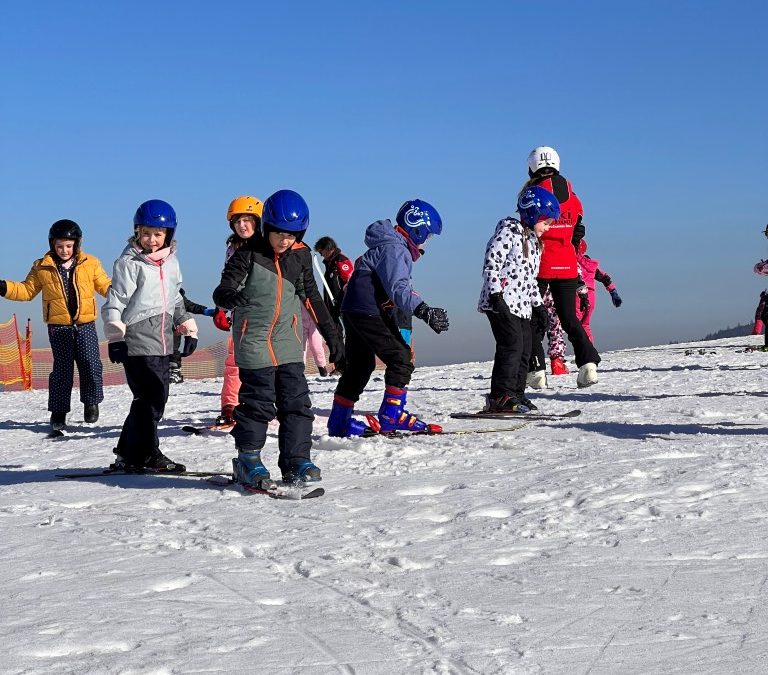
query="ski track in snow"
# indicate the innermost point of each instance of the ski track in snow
(627, 540)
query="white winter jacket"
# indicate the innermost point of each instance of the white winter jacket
(144, 305)
(507, 270)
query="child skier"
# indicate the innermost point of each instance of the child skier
(591, 273)
(68, 278)
(143, 308)
(379, 287)
(264, 284)
(510, 293)
(244, 218)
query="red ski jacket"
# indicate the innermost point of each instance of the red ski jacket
(558, 261)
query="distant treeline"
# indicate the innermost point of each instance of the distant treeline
(737, 331)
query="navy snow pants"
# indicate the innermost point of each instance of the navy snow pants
(78, 344)
(277, 391)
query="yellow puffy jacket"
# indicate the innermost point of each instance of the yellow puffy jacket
(89, 278)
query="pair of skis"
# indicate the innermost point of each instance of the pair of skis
(218, 478)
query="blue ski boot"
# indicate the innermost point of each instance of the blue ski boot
(248, 469)
(302, 471)
(341, 423)
(394, 417)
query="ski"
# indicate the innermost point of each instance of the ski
(449, 432)
(277, 491)
(199, 431)
(515, 416)
(145, 472)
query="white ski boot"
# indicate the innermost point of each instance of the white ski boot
(587, 375)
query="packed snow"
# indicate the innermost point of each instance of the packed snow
(628, 540)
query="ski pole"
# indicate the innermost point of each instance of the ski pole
(322, 276)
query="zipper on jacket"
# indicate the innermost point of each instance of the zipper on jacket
(165, 305)
(276, 316)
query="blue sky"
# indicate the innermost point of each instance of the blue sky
(656, 108)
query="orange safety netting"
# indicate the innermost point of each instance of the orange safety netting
(15, 356)
(205, 362)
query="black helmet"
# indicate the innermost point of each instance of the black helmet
(65, 229)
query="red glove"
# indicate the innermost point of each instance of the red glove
(221, 320)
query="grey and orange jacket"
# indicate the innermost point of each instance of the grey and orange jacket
(265, 292)
(89, 277)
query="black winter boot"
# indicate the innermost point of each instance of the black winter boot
(91, 412)
(58, 421)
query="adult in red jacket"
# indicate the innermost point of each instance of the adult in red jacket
(558, 270)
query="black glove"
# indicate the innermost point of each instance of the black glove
(118, 351)
(3, 287)
(190, 344)
(498, 306)
(435, 317)
(336, 352)
(583, 294)
(539, 319)
(615, 298)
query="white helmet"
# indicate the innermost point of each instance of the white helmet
(542, 157)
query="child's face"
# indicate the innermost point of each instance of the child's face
(245, 226)
(542, 226)
(65, 248)
(281, 241)
(152, 238)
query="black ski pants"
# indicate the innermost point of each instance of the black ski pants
(74, 345)
(513, 349)
(148, 378)
(564, 296)
(366, 338)
(277, 391)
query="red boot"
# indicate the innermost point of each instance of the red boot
(558, 366)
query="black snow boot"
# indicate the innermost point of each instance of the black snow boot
(91, 412)
(58, 421)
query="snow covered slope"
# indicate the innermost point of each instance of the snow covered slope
(629, 540)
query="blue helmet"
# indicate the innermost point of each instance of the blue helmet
(285, 211)
(420, 220)
(535, 203)
(156, 213)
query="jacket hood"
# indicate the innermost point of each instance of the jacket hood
(382, 232)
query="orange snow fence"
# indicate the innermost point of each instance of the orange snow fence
(15, 356)
(206, 362)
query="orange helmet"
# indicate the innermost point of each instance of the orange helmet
(245, 204)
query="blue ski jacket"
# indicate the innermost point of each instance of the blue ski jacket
(381, 281)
